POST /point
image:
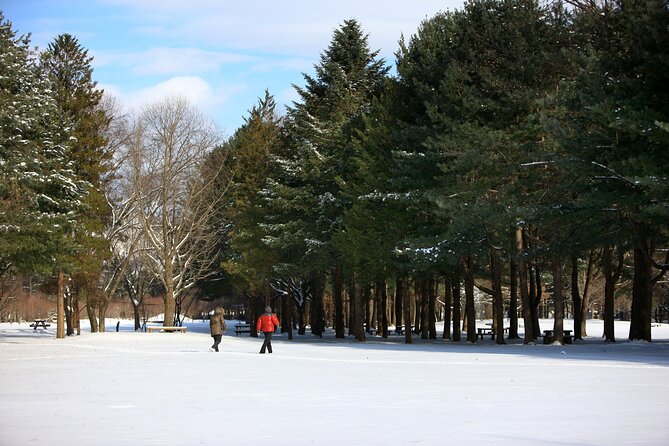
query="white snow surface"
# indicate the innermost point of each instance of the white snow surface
(135, 388)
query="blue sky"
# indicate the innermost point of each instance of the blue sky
(220, 54)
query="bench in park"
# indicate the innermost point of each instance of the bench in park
(488, 331)
(485, 331)
(166, 329)
(42, 323)
(549, 336)
(242, 328)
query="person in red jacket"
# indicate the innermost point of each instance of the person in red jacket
(266, 323)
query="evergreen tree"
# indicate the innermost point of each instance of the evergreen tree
(250, 153)
(320, 129)
(616, 136)
(40, 194)
(472, 80)
(67, 67)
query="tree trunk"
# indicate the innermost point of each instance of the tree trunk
(470, 308)
(558, 311)
(576, 298)
(60, 306)
(102, 315)
(498, 297)
(302, 319)
(69, 321)
(448, 301)
(399, 301)
(536, 294)
(381, 285)
(417, 306)
(403, 294)
(373, 299)
(423, 289)
(585, 304)
(642, 288)
(522, 282)
(90, 311)
(456, 304)
(287, 316)
(338, 298)
(168, 299)
(432, 309)
(317, 308)
(135, 311)
(513, 300)
(357, 297)
(609, 294)
(76, 318)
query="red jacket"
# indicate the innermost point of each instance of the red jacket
(267, 322)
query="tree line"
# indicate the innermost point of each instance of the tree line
(515, 143)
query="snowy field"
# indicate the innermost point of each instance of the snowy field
(126, 388)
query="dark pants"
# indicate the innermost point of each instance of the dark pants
(268, 342)
(217, 340)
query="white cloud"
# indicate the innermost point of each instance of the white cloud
(163, 61)
(287, 27)
(198, 91)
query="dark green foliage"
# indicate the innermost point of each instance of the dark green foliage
(240, 170)
(310, 197)
(40, 194)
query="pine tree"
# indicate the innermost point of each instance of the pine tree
(67, 67)
(320, 130)
(40, 194)
(617, 137)
(251, 152)
(472, 81)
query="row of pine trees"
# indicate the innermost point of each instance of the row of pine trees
(512, 143)
(54, 161)
(515, 141)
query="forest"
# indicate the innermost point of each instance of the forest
(510, 161)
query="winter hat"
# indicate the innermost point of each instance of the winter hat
(268, 309)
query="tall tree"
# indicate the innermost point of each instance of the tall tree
(251, 153)
(67, 66)
(471, 80)
(40, 193)
(320, 129)
(618, 133)
(175, 203)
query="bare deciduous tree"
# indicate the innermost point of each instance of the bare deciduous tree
(175, 205)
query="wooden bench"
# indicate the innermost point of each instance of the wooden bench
(166, 329)
(42, 323)
(488, 331)
(549, 337)
(242, 328)
(485, 331)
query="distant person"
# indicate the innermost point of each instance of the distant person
(217, 326)
(267, 323)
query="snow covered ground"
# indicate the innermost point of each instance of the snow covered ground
(126, 388)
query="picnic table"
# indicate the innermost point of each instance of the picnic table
(166, 329)
(42, 323)
(485, 331)
(242, 328)
(488, 331)
(549, 336)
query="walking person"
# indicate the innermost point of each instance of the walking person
(217, 327)
(267, 323)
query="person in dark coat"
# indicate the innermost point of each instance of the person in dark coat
(267, 322)
(217, 327)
